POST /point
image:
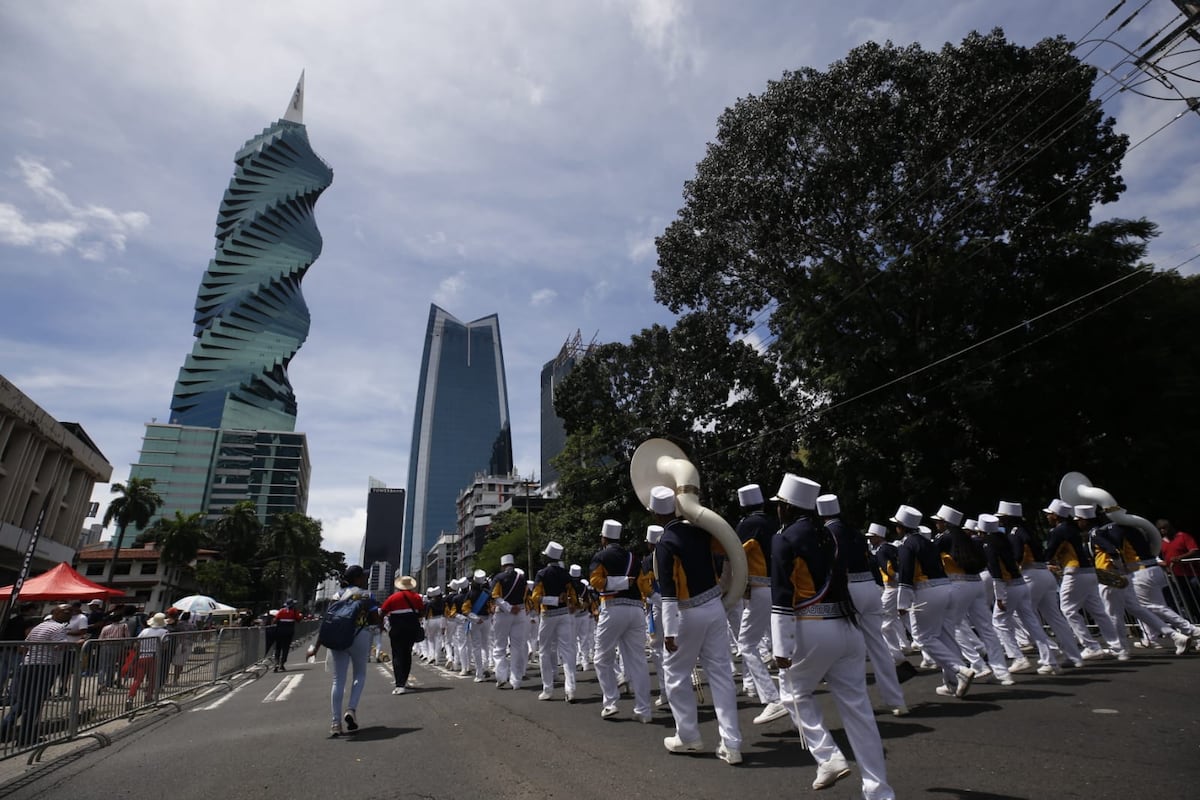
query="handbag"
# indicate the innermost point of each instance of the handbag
(418, 635)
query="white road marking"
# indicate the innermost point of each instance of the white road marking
(224, 699)
(285, 687)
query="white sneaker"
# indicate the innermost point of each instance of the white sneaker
(351, 720)
(1049, 669)
(677, 745)
(643, 718)
(830, 772)
(1094, 654)
(983, 675)
(771, 711)
(1181, 640)
(1007, 682)
(944, 691)
(515, 685)
(900, 711)
(728, 755)
(1020, 665)
(608, 711)
(570, 697)
(545, 696)
(399, 690)
(966, 676)
(660, 701)
(1122, 656)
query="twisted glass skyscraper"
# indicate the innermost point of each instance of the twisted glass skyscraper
(250, 315)
(460, 426)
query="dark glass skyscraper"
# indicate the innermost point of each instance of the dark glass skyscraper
(460, 425)
(385, 527)
(250, 315)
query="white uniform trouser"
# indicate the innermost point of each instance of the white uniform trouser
(704, 636)
(867, 600)
(833, 650)
(435, 630)
(1080, 591)
(1120, 602)
(893, 629)
(510, 651)
(654, 623)
(1043, 596)
(477, 643)
(1014, 595)
(756, 619)
(978, 615)
(457, 632)
(1149, 585)
(928, 619)
(581, 625)
(556, 645)
(622, 627)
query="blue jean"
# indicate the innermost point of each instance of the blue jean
(355, 655)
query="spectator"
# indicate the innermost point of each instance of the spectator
(16, 628)
(110, 651)
(77, 633)
(180, 630)
(285, 631)
(1176, 547)
(403, 613)
(354, 587)
(150, 645)
(44, 649)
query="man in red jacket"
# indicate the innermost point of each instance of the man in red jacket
(285, 631)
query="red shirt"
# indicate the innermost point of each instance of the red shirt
(403, 600)
(287, 615)
(1180, 543)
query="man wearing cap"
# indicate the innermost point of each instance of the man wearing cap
(510, 627)
(755, 531)
(613, 573)
(477, 608)
(151, 644)
(925, 592)
(864, 591)
(1013, 606)
(1043, 588)
(652, 595)
(44, 648)
(1111, 551)
(285, 632)
(694, 628)
(1080, 590)
(964, 559)
(816, 637)
(887, 562)
(554, 595)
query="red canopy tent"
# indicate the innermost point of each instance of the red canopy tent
(61, 583)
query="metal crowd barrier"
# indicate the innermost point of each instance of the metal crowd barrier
(1184, 595)
(54, 693)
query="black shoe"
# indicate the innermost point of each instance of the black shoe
(905, 671)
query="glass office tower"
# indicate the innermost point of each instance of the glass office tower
(460, 425)
(385, 527)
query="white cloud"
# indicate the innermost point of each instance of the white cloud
(543, 297)
(92, 231)
(345, 533)
(661, 26)
(450, 289)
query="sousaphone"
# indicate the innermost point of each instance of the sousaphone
(1076, 489)
(658, 462)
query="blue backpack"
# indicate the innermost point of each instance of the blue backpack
(341, 622)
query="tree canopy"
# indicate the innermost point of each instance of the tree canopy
(879, 217)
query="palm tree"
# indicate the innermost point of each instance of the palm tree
(292, 540)
(237, 531)
(138, 502)
(178, 541)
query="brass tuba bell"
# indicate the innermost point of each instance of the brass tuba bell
(1076, 489)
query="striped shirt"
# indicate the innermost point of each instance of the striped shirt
(43, 643)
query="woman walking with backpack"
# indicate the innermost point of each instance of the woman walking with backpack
(344, 634)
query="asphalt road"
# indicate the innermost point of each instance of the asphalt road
(1111, 730)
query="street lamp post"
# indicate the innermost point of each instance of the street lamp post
(528, 527)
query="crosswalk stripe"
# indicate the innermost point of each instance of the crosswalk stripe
(283, 689)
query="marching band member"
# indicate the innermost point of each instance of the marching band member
(581, 620)
(1080, 590)
(555, 595)
(887, 561)
(755, 532)
(1012, 601)
(925, 591)
(815, 637)
(1043, 588)
(510, 625)
(435, 624)
(853, 552)
(648, 586)
(477, 608)
(613, 574)
(694, 627)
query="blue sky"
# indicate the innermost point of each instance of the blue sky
(514, 157)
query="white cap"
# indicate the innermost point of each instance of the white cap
(662, 500)
(798, 492)
(480, 576)
(576, 571)
(507, 559)
(1085, 512)
(654, 533)
(875, 529)
(750, 495)
(988, 523)
(1007, 508)
(970, 525)
(907, 517)
(828, 505)
(1059, 508)
(611, 529)
(925, 531)
(434, 591)
(948, 514)
(553, 551)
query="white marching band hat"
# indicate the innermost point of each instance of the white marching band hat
(1059, 508)
(662, 500)
(553, 551)
(507, 559)
(989, 523)
(907, 517)
(1084, 512)
(611, 529)
(576, 571)
(875, 529)
(1007, 508)
(949, 515)
(798, 492)
(654, 533)
(828, 505)
(750, 495)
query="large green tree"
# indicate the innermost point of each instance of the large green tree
(879, 216)
(136, 503)
(291, 551)
(178, 539)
